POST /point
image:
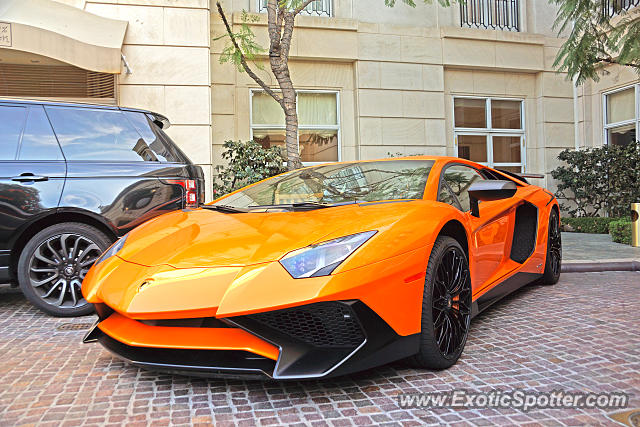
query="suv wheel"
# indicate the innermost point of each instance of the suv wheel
(54, 262)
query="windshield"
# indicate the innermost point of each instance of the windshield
(338, 183)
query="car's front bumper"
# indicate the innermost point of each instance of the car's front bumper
(310, 341)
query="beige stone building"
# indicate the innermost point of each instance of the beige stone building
(474, 81)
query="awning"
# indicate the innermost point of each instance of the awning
(62, 32)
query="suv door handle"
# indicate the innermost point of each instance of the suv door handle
(29, 177)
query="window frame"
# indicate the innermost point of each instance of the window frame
(636, 120)
(337, 127)
(489, 132)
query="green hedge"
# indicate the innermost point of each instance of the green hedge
(620, 231)
(589, 224)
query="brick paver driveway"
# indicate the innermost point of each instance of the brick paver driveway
(581, 335)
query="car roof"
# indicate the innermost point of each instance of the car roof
(81, 105)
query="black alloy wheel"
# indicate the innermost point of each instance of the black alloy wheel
(553, 262)
(54, 263)
(446, 306)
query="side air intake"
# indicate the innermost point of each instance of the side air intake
(524, 234)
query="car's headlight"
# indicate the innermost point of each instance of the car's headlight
(322, 258)
(114, 249)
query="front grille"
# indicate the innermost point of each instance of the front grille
(329, 324)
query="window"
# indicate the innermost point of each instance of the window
(454, 186)
(621, 115)
(11, 124)
(99, 135)
(318, 124)
(339, 183)
(161, 146)
(490, 14)
(38, 141)
(490, 131)
(315, 8)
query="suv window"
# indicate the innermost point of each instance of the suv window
(11, 124)
(454, 186)
(98, 134)
(158, 141)
(38, 141)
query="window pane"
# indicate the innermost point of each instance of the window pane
(11, 123)
(514, 169)
(470, 113)
(622, 135)
(506, 149)
(621, 106)
(38, 140)
(105, 135)
(318, 145)
(155, 138)
(317, 109)
(270, 138)
(472, 147)
(459, 179)
(265, 110)
(505, 114)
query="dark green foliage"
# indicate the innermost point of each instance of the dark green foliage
(248, 162)
(596, 37)
(589, 224)
(621, 231)
(599, 181)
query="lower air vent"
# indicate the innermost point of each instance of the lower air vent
(329, 324)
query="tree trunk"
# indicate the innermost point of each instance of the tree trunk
(281, 24)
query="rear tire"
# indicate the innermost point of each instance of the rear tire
(553, 262)
(54, 262)
(446, 306)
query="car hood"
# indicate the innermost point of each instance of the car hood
(206, 238)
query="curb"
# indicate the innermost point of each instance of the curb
(592, 267)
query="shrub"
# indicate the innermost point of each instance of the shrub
(593, 224)
(247, 162)
(599, 180)
(621, 231)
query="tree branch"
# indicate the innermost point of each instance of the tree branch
(243, 60)
(613, 61)
(300, 8)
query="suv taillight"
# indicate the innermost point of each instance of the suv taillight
(190, 191)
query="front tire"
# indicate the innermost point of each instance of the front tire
(54, 262)
(446, 306)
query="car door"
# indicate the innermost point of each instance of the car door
(32, 172)
(490, 233)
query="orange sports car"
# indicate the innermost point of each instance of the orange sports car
(325, 270)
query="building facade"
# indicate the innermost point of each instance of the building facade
(473, 80)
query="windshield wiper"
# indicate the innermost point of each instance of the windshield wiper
(225, 208)
(305, 205)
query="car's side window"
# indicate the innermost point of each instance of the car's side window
(11, 124)
(458, 179)
(38, 141)
(98, 134)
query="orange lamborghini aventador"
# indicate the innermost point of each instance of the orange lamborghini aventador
(325, 270)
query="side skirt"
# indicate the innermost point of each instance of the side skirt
(501, 290)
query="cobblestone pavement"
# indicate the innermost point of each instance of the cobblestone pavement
(580, 335)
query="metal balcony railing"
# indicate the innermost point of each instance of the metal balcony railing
(491, 14)
(614, 7)
(315, 8)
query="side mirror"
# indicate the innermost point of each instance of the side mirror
(489, 190)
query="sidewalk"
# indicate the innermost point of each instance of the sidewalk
(582, 252)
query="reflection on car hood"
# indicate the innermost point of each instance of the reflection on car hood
(206, 238)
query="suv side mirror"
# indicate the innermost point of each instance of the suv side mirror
(489, 190)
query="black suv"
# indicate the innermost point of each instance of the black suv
(73, 178)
